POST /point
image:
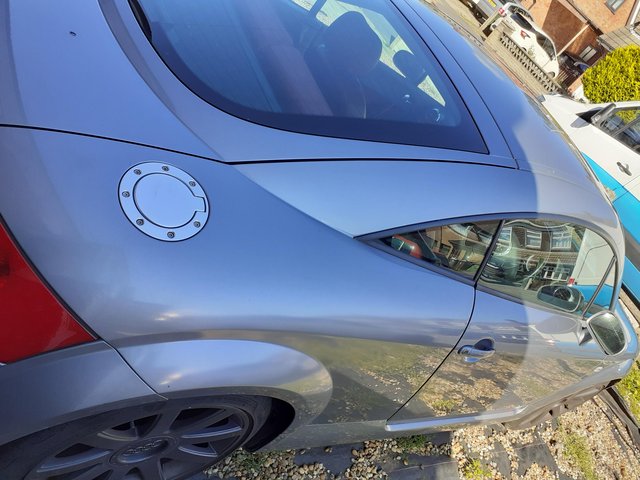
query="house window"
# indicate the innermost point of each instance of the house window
(533, 239)
(588, 53)
(561, 239)
(614, 4)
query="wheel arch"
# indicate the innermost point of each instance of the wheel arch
(299, 385)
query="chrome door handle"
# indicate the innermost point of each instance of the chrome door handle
(472, 355)
(624, 168)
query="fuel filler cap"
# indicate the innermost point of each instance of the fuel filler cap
(163, 201)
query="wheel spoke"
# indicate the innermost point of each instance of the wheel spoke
(73, 463)
(212, 434)
(151, 470)
(94, 473)
(193, 454)
(168, 443)
(205, 421)
(111, 439)
(162, 423)
(119, 473)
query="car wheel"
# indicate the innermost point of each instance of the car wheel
(170, 440)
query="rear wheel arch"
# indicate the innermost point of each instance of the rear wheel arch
(148, 440)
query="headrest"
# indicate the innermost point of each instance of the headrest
(410, 66)
(351, 45)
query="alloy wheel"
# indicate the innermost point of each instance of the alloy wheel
(164, 446)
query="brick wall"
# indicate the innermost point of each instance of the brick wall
(556, 20)
(552, 12)
(562, 25)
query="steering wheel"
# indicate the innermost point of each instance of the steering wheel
(534, 263)
(397, 108)
(563, 293)
(435, 115)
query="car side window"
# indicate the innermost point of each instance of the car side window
(556, 264)
(630, 136)
(460, 247)
(620, 119)
(336, 68)
(624, 125)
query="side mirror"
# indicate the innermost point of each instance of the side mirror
(607, 329)
(561, 296)
(598, 117)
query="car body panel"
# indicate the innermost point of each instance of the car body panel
(360, 201)
(521, 125)
(65, 385)
(352, 313)
(214, 366)
(282, 292)
(537, 354)
(80, 78)
(603, 154)
(145, 86)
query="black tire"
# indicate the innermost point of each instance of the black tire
(169, 440)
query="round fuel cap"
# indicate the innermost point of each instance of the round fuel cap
(163, 201)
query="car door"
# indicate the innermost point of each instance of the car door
(525, 341)
(627, 204)
(616, 146)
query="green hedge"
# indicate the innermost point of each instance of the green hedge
(615, 78)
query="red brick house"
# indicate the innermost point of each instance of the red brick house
(584, 30)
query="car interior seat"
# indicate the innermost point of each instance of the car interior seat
(344, 52)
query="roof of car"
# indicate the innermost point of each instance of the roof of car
(88, 71)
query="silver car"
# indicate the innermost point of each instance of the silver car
(280, 224)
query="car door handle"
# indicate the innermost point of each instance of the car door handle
(472, 354)
(624, 168)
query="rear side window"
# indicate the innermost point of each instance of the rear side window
(520, 20)
(352, 69)
(560, 265)
(460, 247)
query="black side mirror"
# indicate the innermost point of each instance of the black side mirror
(608, 331)
(598, 117)
(561, 296)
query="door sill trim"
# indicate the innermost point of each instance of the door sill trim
(496, 416)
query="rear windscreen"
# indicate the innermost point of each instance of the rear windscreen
(351, 69)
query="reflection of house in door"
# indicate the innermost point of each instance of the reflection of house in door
(585, 30)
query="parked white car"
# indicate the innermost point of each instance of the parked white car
(608, 135)
(519, 25)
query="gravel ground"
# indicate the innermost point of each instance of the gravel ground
(587, 443)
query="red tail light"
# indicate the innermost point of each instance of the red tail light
(501, 12)
(32, 320)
